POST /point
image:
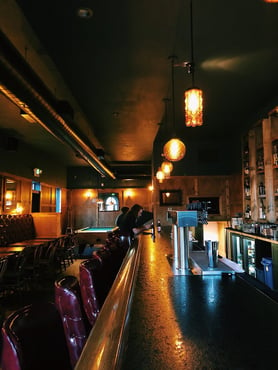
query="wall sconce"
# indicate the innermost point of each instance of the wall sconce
(89, 194)
(150, 187)
(128, 193)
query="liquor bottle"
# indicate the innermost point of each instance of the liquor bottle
(158, 226)
(275, 155)
(248, 212)
(262, 214)
(261, 189)
(247, 188)
(246, 167)
(246, 151)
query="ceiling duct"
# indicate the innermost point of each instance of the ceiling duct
(21, 84)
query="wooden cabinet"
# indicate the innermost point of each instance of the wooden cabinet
(260, 171)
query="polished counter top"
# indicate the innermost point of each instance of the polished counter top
(253, 236)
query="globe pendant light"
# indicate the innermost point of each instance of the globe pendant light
(174, 150)
(160, 175)
(167, 168)
(193, 97)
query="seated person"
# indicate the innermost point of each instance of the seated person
(120, 217)
(145, 218)
(129, 226)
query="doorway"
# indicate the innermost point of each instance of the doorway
(36, 201)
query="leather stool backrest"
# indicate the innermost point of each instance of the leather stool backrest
(106, 275)
(69, 304)
(33, 338)
(87, 275)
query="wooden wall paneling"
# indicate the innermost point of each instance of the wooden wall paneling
(47, 225)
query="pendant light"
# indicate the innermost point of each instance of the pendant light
(193, 97)
(167, 168)
(174, 150)
(160, 175)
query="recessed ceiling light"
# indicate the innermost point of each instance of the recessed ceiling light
(84, 13)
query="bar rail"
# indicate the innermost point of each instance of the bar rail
(106, 342)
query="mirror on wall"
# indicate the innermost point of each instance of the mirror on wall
(171, 197)
(109, 202)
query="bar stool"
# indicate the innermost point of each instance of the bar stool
(87, 276)
(69, 304)
(33, 338)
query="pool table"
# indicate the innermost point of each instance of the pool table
(95, 235)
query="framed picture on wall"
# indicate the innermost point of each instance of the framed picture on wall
(170, 197)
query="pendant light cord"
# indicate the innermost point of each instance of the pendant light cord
(172, 57)
(192, 44)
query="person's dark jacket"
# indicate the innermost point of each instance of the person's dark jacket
(127, 224)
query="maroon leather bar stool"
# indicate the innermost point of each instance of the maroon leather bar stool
(33, 338)
(87, 276)
(69, 304)
(106, 275)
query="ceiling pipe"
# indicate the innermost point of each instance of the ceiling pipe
(22, 85)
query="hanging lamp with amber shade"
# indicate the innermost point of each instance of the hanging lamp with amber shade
(193, 97)
(160, 175)
(193, 102)
(174, 150)
(167, 168)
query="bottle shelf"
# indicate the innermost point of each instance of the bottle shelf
(260, 159)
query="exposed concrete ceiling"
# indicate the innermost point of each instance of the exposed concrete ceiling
(116, 72)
